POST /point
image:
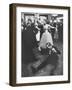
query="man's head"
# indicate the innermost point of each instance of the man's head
(29, 21)
(48, 45)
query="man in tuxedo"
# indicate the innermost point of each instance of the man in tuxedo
(28, 42)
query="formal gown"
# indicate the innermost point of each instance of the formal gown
(46, 38)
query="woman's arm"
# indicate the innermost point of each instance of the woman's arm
(52, 27)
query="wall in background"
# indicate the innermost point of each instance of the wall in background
(4, 45)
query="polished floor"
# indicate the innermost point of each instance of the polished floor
(47, 69)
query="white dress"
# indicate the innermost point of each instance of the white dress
(46, 37)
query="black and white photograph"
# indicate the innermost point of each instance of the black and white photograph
(42, 44)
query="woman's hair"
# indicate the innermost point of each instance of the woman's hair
(47, 21)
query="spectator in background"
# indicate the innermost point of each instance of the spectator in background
(29, 42)
(53, 24)
(60, 31)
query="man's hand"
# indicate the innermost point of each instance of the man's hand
(54, 50)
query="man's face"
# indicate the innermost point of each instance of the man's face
(49, 45)
(29, 22)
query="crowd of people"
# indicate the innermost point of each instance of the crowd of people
(38, 37)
